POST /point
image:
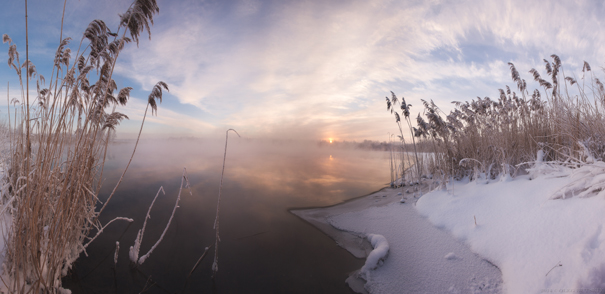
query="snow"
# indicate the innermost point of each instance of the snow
(543, 232)
(526, 232)
(450, 256)
(415, 263)
(375, 258)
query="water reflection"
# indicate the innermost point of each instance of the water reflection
(264, 248)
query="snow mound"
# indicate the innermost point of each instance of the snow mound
(379, 254)
(539, 243)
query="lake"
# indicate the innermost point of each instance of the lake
(263, 249)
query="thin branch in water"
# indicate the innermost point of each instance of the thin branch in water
(134, 250)
(105, 226)
(218, 203)
(199, 260)
(115, 256)
(184, 179)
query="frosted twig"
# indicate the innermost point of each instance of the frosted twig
(103, 228)
(115, 255)
(176, 205)
(218, 203)
(134, 250)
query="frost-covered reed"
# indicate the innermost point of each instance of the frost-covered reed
(218, 205)
(134, 250)
(59, 140)
(490, 138)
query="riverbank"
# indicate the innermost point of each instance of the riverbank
(541, 232)
(422, 258)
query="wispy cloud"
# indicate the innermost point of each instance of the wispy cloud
(312, 68)
(166, 122)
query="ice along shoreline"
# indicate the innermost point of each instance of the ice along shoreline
(422, 257)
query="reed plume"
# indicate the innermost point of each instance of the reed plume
(58, 154)
(487, 138)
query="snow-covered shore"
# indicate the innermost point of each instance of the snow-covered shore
(461, 239)
(421, 258)
(541, 244)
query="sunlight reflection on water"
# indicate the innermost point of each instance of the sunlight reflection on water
(264, 248)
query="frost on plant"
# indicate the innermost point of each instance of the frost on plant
(56, 165)
(134, 250)
(498, 138)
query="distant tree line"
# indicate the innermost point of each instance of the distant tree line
(366, 145)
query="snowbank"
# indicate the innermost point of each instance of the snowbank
(415, 262)
(541, 244)
(380, 252)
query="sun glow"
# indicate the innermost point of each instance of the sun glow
(331, 140)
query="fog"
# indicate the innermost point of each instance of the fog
(264, 247)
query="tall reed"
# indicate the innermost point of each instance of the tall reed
(58, 153)
(490, 138)
(405, 112)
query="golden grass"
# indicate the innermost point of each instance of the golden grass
(488, 137)
(58, 146)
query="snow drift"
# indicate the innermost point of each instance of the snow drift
(375, 258)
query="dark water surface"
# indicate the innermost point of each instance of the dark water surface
(264, 248)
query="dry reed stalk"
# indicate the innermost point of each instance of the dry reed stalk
(218, 203)
(115, 255)
(134, 250)
(184, 179)
(502, 135)
(199, 260)
(58, 152)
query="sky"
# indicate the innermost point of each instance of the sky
(313, 69)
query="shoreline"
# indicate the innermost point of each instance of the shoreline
(355, 242)
(318, 217)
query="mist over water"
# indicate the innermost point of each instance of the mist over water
(264, 248)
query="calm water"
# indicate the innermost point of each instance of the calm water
(264, 248)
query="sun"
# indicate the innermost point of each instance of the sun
(331, 140)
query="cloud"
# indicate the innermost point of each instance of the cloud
(296, 63)
(167, 122)
(311, 68)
